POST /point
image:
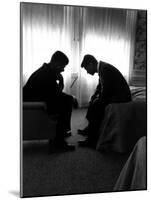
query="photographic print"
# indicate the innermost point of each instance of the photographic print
(83, 99)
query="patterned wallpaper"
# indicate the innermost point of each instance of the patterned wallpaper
(140, 61)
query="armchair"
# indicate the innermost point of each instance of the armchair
(37, 124)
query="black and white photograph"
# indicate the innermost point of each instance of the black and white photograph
(83, 94)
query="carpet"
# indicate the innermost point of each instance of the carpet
(82, 171)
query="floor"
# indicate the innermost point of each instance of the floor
(84, 170)
(78, 121)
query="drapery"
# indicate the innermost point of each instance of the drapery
(108, 34)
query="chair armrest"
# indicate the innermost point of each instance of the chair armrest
(34, 105)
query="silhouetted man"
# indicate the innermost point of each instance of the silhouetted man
(112, 88)
(46, 84)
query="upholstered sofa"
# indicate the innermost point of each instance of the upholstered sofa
(37, 124)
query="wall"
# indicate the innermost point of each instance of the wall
(140, 59)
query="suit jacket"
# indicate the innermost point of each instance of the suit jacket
(112, 87)
(42, 85)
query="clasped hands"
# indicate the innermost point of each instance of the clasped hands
(95, 99)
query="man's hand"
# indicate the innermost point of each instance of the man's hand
(96, 100)
(94, 97)
(60, 81)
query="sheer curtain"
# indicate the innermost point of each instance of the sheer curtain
(108, 34)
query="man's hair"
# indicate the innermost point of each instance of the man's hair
(60, 58)
(87, 60)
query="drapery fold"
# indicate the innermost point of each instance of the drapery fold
(106, 33)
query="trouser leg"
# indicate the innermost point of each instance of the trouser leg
(62, 107)
(95, 120)
(90, 111)
(66, 110)
(64, 119)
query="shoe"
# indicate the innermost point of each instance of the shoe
(67, 134)
(83, 132)
(86, 143)
(62, 145)
(67, 147)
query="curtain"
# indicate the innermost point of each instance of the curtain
(108, 34)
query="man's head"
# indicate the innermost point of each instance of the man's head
(89, 63)
(58, 61)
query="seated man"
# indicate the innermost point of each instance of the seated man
(112, 88)
(46, 84)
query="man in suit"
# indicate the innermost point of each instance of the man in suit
(46, 84)
(112, 88)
